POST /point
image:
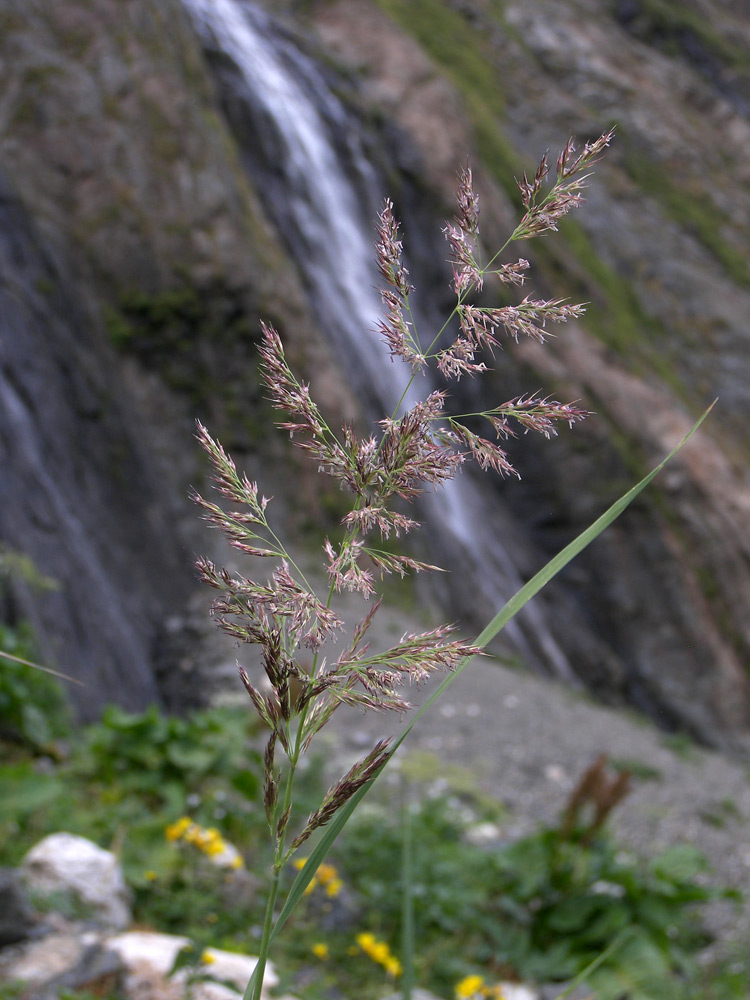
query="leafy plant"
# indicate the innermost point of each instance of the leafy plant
(33, 710)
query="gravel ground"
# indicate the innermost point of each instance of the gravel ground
(526, 741)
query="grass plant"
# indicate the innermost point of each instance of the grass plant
(181, 794)
(419, 445)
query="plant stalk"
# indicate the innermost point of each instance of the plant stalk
(255, 986)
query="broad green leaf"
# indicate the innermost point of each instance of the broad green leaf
(680, 863)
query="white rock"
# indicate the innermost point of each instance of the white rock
(157, 951)
(482, 834)
(67, 863)
(42, 960)
(148, 958)
(237, 969)
(516, 991)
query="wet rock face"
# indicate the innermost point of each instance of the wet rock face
(137, 259)
(79, 494)
(653, 614)
(133, 258)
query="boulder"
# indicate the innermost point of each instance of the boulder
(68, 864)
(68, 957)
(148, 958)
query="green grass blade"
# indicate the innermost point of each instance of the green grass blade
(578, 544)
(593, 966)
(514, 605)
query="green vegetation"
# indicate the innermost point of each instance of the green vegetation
(463, 53)
(32, 709)
(541, 908)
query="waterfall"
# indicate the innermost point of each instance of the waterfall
(308, 158)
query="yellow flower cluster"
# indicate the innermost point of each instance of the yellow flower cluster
(326, 876)
(208, 840)
(320, 950)
(471, 987)
(379, 952)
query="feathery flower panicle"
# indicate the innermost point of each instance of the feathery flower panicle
(406, 453)
(411, 455)
(396, 329)
(344, 570)
(415, 656)
(372, 515)
(535, 414)
(511, 274)
(565, 194)
(463, 236)
(487, 454)
(293, 397)
(340, 793)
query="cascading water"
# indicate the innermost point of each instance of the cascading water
(307, 156)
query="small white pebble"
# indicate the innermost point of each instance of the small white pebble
(553, 772)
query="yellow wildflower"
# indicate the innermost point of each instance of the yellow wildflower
(393, 967)
(150, 875)
(320, 950)
(176, 830)
(379, 952)
(191, 834)
(208, 958)
(333, 887)
(325, 873)
(469, 987)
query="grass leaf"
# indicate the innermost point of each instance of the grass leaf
(501, 619)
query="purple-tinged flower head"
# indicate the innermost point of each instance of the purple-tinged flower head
(530, 189)
(535, 413)
(410, 453)
(468, 203)
(397, 331)
(543, 212)
(344, 570)
(357, 776)
(307, 427)
(512, 274)
(463, 236)
(478, 328)
(487, 454)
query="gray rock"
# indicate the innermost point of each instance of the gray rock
(66, 863)
(16, 913)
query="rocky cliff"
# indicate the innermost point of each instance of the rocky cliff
(117, 144)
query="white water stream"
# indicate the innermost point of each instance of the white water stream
(326, 211)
